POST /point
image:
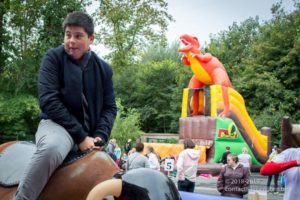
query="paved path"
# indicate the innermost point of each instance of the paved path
(257, 182)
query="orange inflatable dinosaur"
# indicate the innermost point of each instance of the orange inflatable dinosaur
(207, 69)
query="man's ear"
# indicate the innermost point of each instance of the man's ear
(91, 38)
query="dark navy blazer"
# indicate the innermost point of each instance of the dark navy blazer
(60, 85)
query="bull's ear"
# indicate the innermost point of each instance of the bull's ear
(196, 39)
(112, 187)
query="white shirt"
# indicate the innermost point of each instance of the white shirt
(153, 161)
(245, 159)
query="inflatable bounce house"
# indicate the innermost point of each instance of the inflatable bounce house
(213, 113)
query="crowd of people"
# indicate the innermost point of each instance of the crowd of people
(132, 157)
(233, 180)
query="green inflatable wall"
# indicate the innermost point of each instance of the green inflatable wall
(227, 134)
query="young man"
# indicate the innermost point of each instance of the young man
(137, 159)
(127, 146)
(77, 101)
(224, 156)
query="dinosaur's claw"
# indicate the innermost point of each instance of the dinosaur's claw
(224, 114)
(185, 61)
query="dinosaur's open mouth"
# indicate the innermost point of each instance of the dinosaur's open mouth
(186, 47)
(185, 42)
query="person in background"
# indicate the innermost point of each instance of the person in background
(137, 159)
(153, 159)
(117, 152)
(233, 180)
(276, 176)
(288, 162)
(224, 156)
(282, 181)
(122, 163)
(110, 149)
(133, 150)
(187, 166)
(245, 159)
(274, 148)
(127, 146)
(77, 103)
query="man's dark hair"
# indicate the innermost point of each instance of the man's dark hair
(188, 144)
(228, 148)
(80, 19)
(139, 147)
(234, 157)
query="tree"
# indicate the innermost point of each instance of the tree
(127, 26)
(27, 29)
(171, 60)
(18, 114)
(154, 87)
(158, 52)
(51, 32)
(158, 85)
(127, 125)
(4, 6)
(233, 45)
(21, 20)
(31, 28)
(275, 56)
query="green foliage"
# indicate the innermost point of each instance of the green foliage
(127, 125)
(126, 85)
(233, 45)
(157, 52)
(4, 5)
(22, 20)
(50, 31)
(27, 30)
(20, 76)
(154, 87)
(157, 84)
(18, 114)
(171, 141)
(127, 26)
(272, 119)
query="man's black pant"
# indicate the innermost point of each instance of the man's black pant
(275, 182)
(186, 185)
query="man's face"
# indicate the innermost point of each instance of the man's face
(77, 42)
(230, 161)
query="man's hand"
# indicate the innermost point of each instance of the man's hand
(99, 144)
(87, 144)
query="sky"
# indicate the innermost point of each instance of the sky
(201, 18)
(204, 17)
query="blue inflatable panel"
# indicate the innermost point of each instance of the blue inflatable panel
(195, 196)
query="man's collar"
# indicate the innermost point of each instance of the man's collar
(85, 59)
